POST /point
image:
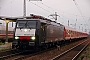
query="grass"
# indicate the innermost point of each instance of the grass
(1, 43)
(88, 55)
(5, 49)
(51, 53)
(81, 57)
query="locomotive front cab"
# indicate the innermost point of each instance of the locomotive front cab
(26, 33)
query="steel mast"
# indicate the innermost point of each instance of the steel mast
(24, 8)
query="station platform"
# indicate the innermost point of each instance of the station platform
(5, 46)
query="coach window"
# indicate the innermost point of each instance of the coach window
(11, 32)
(66, 31)
(8, 32)
(70, 32)
(73, 32)
(0, 31)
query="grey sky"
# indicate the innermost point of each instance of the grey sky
(66, 9)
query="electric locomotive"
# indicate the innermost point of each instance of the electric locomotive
(35, 32)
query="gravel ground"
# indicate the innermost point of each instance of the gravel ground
(86, 54)
(50, 54)
(5, 46)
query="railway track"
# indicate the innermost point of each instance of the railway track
(7, 52)
(73, 53)
(22, 56)
(9, 55)
(48, 55)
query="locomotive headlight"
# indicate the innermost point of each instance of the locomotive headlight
(16, 37)
(25, 30)
(33, 38)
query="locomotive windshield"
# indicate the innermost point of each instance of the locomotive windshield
(26, 24)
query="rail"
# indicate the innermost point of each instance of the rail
(57, 57)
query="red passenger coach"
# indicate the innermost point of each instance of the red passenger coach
(71, 33)
(82, 34)
(3, 33)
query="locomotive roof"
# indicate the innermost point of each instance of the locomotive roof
(44, 21)
(41, 19)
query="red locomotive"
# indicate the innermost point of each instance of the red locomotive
(36, 32)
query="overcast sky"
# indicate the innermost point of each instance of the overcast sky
(76, 11)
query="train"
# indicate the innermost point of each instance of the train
(3, 33)
(34, 32)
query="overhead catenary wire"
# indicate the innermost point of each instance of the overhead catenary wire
(45, 9)
(80, 12)
(78, 8)
(52, 9)
(49, 8)
(40, 7)
(6, 4)
(61, 11)
(55, 11)
(66, 12)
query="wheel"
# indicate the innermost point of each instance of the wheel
(13, 47)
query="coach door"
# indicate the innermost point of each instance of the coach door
(43, 32)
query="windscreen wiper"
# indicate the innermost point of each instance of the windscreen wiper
(26, 24)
